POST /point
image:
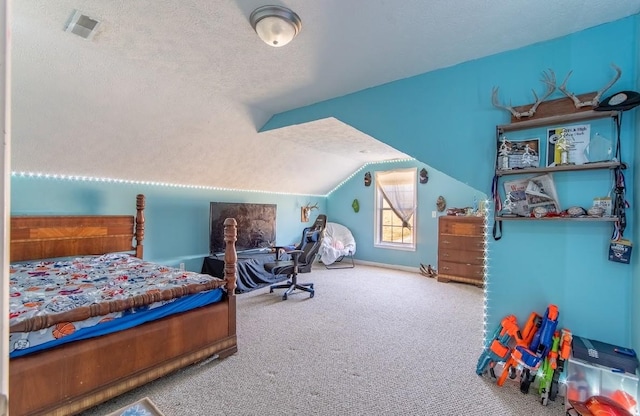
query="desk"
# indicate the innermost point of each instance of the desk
(250, 267)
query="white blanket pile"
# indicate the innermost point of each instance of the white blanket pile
(337, 242)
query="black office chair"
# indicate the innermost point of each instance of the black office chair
(301, 259)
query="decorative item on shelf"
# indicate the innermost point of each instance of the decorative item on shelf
(620, 101)
(522, 154)
(549, 79)
(539, 212)
(508, 206)
(424, 176)
(367, 179)
(355, 205)
(458, 211)
(563, 144)
(594, 102)
(575, 212)
(482, 207)
(306, 210)
(529, 157)
(599, 149)
(595, 211)
(604, 202)
(567, 145)
(441, 204)
(503, 154)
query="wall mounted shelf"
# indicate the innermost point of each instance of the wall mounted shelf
(557, 119)
(583, 219)
(560, 168)
(556, 113)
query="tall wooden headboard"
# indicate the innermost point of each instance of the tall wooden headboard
(49, 236)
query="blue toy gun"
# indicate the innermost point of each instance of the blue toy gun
(540, 347)
(499, 347)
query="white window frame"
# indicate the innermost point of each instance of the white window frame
(410, 176)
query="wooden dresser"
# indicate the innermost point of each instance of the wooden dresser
(461, 243)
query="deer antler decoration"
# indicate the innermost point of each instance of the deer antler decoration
(306, 210)
(596, 99)
(548, 78)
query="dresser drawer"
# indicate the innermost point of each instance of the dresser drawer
(450, 242)
(461, 225)
(472, 271)
(460, 256)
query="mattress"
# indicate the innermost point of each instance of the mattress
(57, 301)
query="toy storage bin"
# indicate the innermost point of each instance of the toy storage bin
(585, 380)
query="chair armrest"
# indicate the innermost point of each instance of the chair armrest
(294, 255)
(284, 249)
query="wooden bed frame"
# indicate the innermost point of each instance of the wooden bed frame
(79, 375)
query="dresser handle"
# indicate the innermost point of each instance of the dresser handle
(445, 254)
(446, 268)
(446, 242)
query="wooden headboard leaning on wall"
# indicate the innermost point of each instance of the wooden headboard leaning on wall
(42, 237)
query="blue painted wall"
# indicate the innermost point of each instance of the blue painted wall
(635, 262)
(177, 218)
(445, 119)
(362, 223)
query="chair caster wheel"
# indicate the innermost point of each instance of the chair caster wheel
(311, 295)
(284, 297)
(270, 290)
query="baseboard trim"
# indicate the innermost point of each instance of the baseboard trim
(388, 266)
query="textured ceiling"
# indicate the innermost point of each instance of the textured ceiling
(176, 91)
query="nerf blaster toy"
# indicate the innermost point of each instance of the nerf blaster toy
(564, 350)
(499, 347)
(525, 337)
(530, 358)
(547, 370)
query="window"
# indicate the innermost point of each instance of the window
(396, 209)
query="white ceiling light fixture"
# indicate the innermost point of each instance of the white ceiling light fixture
(276, 25)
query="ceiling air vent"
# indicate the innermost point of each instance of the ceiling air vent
(82, 25)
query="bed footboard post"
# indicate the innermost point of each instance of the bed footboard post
(230, 255)
(139, 226)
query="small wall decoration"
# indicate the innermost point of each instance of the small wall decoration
(367, 179)
(306, 210)
(355, 205)
(424, 176)
(441, 204)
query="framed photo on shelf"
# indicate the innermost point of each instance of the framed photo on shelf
(577, 140)
(521, 153)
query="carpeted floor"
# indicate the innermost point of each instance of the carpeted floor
(372, 341)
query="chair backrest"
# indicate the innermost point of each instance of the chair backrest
(318, 225)
(311, 243)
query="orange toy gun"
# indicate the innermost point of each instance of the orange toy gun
(525, 337)
(499, 348)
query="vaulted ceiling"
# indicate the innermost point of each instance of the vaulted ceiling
(177, 91)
